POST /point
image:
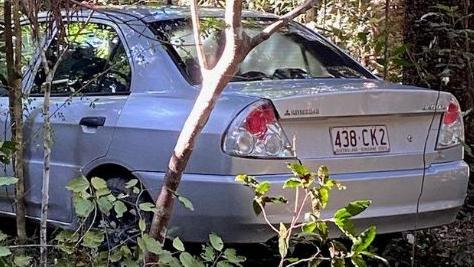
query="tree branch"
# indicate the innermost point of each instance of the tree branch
(281, 22)
(197, 37)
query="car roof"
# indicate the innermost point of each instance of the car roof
(156, 13)
(148, 13)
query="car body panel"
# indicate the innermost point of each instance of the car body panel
(228, 210)
(142, 127)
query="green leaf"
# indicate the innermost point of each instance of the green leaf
(323, 196)
(104, 192)
(224, 264)
(3, 236)
(167, 259)
(189, 261)
(364, 240)
(342, 216)
(5, 181)
(116, 255)
(262, 188)
(282, 238)
(83, 207)
(309, 227)
(208, 254)
(323, 229)
(147, 206)
(98, 183)
(216, 242)
(4, 251)
(131, 183)
(299, 169)
(67, 237)
(129, 262)
(151, 244)
(104, 205)
(141, 244)
(120, 208)
(358, 261)
(125, 250)
(78, 184)
(241, 178)
(291, 260)
(93, 239)
(142, 225)
(323, 173)
(292, 183)
(352, 209)
(68, 249)
(338, 262)
(186, 203)
(22, 261)
(178, 244)
(231, 255)
(315, 263)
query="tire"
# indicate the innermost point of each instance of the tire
(124, 229)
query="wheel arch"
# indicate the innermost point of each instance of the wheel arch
(109, 170)
(114, 170)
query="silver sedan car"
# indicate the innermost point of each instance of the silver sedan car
(128, 81)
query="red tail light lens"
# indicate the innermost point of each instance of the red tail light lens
(452, 114)
(451, 130)
(256, 132)
(257, 121)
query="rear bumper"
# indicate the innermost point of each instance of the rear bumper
(225, 207)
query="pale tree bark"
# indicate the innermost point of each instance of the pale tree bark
(32, 9)
(47, 143)
(13, 45)
(215, 78)
(47, 128)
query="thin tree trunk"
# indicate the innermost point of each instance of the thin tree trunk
(386, 39)
(237, 46)
(47, 142)
(13, 56)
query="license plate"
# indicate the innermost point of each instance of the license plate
(360, 139)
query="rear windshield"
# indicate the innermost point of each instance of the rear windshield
(292, 53)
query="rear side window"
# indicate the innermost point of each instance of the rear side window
(291, 53)
(93, 60)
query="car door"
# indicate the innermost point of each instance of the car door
(89, 89)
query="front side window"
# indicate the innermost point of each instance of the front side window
(291, 53)
(92, 61)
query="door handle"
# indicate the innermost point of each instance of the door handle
(92, 121)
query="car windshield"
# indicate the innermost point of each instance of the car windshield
(291, 53)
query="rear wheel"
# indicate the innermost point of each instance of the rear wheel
(124, 228)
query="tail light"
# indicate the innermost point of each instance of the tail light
(256, 133)
(451, 132)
